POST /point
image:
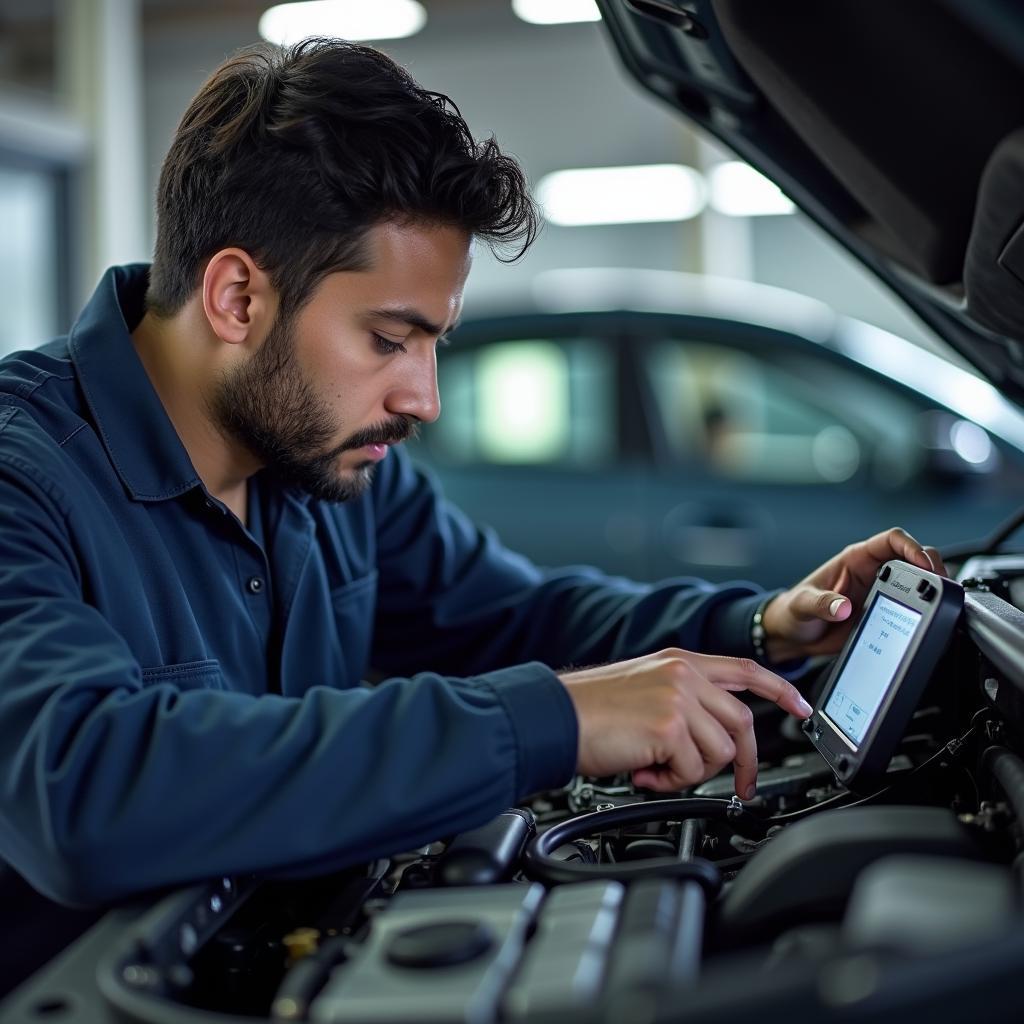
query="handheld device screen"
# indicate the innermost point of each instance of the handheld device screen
(871, 667)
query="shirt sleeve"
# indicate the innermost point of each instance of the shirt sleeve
(112, 786)
(452, 598)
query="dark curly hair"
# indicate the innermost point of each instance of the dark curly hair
(293, 155)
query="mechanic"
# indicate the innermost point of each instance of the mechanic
(208, 534)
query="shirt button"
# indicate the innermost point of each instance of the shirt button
(255, 585)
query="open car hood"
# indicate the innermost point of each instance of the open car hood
(898, 127)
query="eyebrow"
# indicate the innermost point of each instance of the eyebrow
(412, 317)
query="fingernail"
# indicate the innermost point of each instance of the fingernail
(751, 792)
(833, 608)
(804, 707)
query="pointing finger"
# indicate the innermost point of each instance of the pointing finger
(744, 674)
(738, 721)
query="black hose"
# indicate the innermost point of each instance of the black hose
(1008, 770)
(539, 862)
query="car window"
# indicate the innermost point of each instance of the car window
(530, 401)
(749, 419)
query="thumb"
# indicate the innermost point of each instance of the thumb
(827, 605)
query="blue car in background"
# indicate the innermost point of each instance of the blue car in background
(659, 424)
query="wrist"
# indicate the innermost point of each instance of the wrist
(779, 651)
(769, 647)
(778, 648)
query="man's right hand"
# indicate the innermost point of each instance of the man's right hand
(669, 719)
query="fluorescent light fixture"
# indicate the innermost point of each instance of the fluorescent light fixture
(622, 195)
(555, 12)
(740, 191)
(286, 24)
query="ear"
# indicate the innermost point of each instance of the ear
(238, 298)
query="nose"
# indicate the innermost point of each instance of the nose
(416, 394)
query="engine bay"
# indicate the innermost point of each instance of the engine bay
(601, 902)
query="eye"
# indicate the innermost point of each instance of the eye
(385, 347)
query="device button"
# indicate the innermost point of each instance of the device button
(926, 590)
(885, 572)
(842, 764)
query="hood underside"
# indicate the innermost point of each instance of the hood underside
(898, 127)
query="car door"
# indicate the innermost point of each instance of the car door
(538, 440)
(774, 452)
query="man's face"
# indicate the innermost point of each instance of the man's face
(355, 370)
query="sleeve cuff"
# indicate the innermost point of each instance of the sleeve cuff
(544, 722)
(727, 630)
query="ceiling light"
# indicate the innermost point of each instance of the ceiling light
(555, 12)
(740, 191)
(622, 195)
(286, 24)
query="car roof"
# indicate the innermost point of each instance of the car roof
(899, 128)
(585, 290)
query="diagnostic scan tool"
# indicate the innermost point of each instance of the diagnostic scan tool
(877, 682)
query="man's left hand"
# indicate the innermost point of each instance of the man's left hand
(816, 615)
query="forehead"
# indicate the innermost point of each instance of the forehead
(410, 265)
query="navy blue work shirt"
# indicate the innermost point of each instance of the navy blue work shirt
(180, 696)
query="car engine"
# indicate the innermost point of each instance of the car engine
(600, 902)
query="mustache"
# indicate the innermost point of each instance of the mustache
(401, 428)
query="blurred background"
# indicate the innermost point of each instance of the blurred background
(645, 417)
(92, 90)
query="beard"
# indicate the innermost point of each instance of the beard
(268, 406)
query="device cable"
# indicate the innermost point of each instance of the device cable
(848, 799)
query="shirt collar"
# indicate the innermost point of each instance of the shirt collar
(139, 437)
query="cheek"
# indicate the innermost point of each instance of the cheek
(334, 379)
(354, 399)
(352, 387)
(343, 371)
(346, 394)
